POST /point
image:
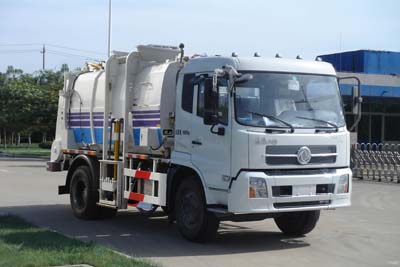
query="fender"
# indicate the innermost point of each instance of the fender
(181, 161)
(81, 160)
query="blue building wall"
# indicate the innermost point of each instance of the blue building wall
(365, 61)
(380, 89)
(372, 90)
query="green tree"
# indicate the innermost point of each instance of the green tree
(29, 103)
(64, 68)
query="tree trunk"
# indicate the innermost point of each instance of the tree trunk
(29, 139)
(12, 138)
(18, 139)
(5, 139)
(44, 137)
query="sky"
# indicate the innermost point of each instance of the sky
(288, 27)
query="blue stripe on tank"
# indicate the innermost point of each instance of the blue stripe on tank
(82, 135)
(136, 136)
(146, 123)
(98, 134)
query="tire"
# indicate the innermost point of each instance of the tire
(194, 222)
(84, 196)
(297, 223)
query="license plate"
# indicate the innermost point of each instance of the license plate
(304, 190)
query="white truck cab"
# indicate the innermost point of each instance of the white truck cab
(283, 130)
(206, 138)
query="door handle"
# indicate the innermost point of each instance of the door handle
(195, 142)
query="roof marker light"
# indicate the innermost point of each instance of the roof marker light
(256, 54)
(318, 59)
(234, 54)
(299, 57)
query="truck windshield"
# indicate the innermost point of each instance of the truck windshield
(300, 100)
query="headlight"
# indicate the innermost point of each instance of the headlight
(258, 188)
(343, 184)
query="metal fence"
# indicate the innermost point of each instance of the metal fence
(378, 162)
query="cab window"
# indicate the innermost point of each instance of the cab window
(187, 93)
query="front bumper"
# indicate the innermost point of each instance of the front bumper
(304, 196)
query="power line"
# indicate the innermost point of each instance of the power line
(61, 53)
(54, 45)
(50, 51)
(20, 44)
(19, 50)
(76, 49)
(11, 51)
(43, 50)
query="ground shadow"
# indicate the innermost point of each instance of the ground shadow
(143, 236)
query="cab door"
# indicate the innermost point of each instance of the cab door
(211, 146)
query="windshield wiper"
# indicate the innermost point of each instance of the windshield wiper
(323, 121)
(272, 117)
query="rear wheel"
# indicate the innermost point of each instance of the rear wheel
(297, 223)
(194, 222)
(84, 196)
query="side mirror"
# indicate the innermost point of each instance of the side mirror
(210, 102)
(356, 100)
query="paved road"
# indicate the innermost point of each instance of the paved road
(367, 234)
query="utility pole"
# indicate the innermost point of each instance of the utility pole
(109, 27)
(44, 56)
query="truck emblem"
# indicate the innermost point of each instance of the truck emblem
(304, 155)
(264, 141)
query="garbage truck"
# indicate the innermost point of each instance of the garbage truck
(205, 138)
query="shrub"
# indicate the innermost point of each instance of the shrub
(45, 145)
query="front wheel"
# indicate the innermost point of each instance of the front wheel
(297, 223)
(194, 222)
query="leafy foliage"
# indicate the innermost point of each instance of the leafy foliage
(28, 102)
(45, 145)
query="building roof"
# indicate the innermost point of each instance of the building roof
(365, 61)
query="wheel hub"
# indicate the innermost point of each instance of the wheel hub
(190, 210)
(80, 195)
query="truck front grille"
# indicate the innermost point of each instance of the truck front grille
(287, 155)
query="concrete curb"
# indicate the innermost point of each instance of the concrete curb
(12, 156)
